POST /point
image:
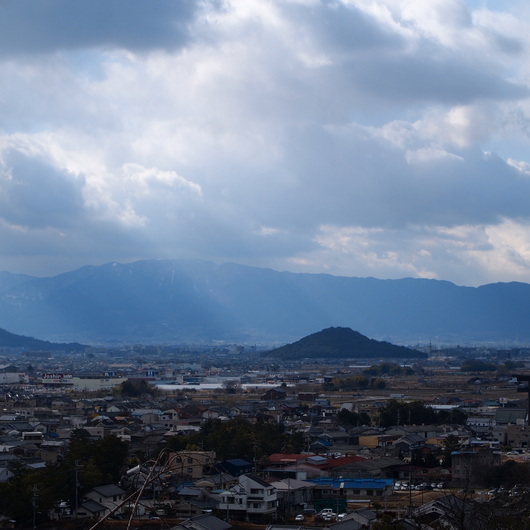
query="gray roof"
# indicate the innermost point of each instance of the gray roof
(93, 507)
(288, 527)
(505, 416)
(238, 462)
(218, 479)
(203, 522)
(290, 484)
(366, 513)
(258, 480)
(348, 524)
(187, 491)
(109, 490)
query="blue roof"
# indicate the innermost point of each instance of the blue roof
(237, 462)
(354, 483)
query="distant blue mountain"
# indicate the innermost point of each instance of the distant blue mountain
(176, 301)
(9, 280)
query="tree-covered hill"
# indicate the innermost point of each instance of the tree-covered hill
(342, 343)
(11, 340)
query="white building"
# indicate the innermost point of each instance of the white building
(251, 497)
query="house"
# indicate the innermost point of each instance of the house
(330, 491)
(191, 464)
(359, 467)
(293, 495)
(52, 451)
(345, 524)
(203, 522)
(467, 466)
(274, 394)
(210, 414)
(407, 444)
(450, 512)
(372, 439)
(109, 496)
(216, 482)
(312, 466)
(334, 437)
(250, 498)
(363, 516)
(91, 509)
(518, 436)
(193, 501)
(505, 416)
(235, 467)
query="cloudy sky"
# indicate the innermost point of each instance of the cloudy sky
(385, 138)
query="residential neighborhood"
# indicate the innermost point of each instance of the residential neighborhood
(251, 443)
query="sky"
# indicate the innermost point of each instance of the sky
(385, 138)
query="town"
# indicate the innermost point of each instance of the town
(216, 437)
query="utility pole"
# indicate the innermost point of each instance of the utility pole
(34, 504)
(76, 472)
(524, 386)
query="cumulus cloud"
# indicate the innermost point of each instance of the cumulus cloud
(361, 138)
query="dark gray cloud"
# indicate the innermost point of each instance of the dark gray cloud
(28, 27)
(439, 78)
(344, 29)
(34, 194)
(357, 180)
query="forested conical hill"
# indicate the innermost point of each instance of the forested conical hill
(341, 343)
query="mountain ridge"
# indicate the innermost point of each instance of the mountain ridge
(177, 301)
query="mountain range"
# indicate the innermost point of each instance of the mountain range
(178, 301)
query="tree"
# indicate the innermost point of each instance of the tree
(354, 419)
(136, 388)
(388, 369)
(109, 455)
(91, 462)
(415, 413)
(476, 365)
(240, 439)
(451, 444)
(399, 412)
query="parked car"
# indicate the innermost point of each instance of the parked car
(299, 517)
